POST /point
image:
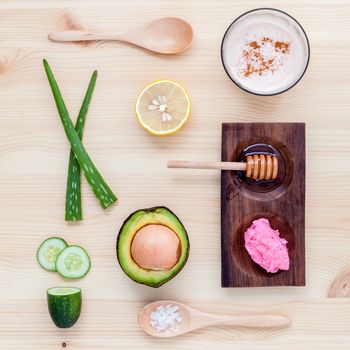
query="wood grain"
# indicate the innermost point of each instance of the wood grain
(34, 159)
(281, 201)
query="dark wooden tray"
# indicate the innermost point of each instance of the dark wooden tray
(281, 201)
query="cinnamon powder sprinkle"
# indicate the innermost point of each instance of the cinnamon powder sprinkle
(264, 55)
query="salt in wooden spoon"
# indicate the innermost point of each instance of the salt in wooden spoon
(192, 319)
(164, 35)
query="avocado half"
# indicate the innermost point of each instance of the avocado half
(136, 221)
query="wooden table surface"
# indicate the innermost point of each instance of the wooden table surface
(33, 165)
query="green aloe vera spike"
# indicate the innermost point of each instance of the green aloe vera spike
(93, 177)
(73, 192)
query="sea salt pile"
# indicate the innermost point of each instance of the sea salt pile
(165, 317)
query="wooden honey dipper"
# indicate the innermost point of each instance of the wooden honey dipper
(257, 166)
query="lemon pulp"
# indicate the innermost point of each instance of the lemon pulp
(163, 107)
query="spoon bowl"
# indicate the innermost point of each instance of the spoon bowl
(181, 327)
(168, 35)
(192, 319)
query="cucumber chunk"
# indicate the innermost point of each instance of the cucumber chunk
(73, 262)
(48, 251)
(64, 305)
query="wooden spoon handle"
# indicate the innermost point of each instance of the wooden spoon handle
(254, 321)
(207, 165)
(84, 35)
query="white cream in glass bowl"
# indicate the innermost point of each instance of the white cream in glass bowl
(265, 51)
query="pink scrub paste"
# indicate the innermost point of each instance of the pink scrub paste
(266, 247)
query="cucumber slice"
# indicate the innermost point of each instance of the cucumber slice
(73, 262)
(48, 251)
(64, 305)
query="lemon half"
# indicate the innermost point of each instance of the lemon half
(163, 107)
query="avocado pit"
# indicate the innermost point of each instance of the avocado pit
(152, 246)
(156, 247)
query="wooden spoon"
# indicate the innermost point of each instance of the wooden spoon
(192, 319)
(164, 35)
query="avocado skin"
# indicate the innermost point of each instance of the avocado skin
(184, 250)
(64, 309)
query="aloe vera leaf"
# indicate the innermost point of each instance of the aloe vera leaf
(100, 188)
(73, 192)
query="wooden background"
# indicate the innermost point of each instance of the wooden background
(33, 165)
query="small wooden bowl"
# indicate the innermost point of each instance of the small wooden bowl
(240, 254)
